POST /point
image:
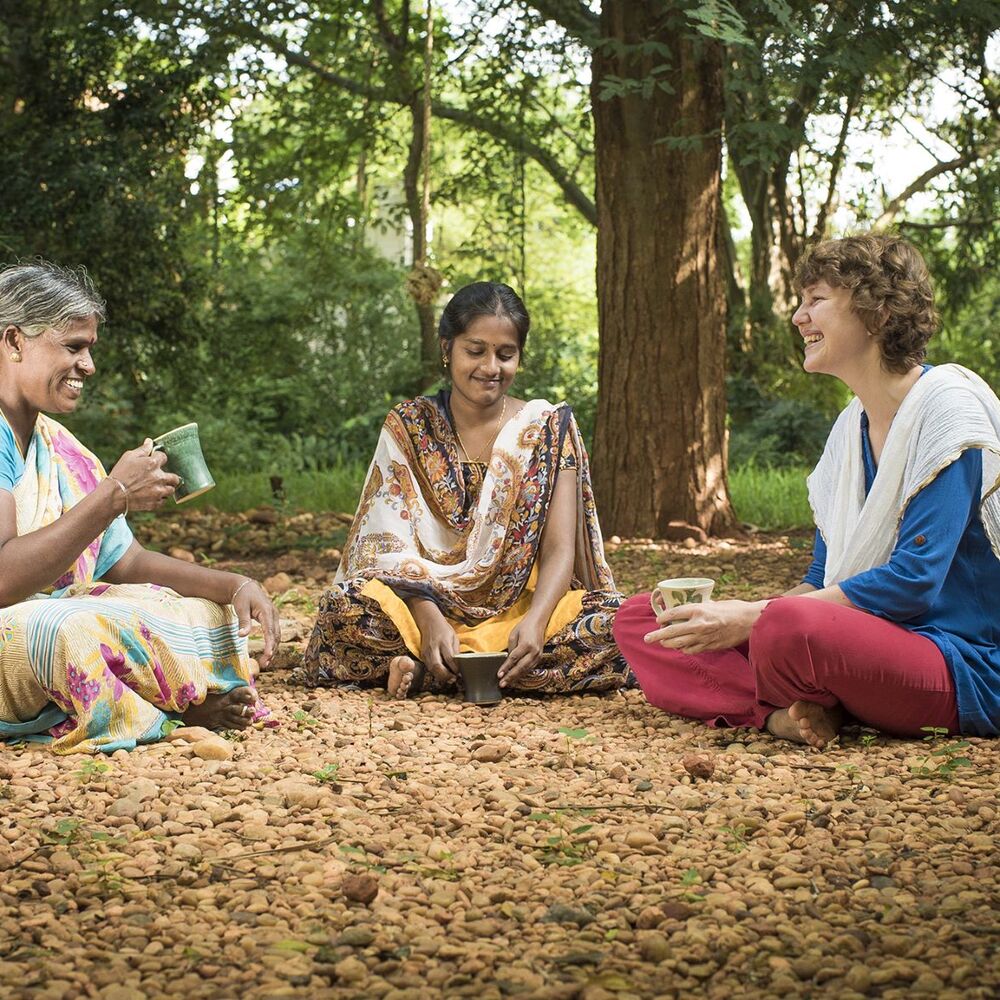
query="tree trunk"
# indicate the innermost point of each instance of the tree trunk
(429, 348)
(660, 440)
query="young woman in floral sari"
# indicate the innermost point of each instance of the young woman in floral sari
(476, 531)
(129, 642)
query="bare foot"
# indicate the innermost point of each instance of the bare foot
(232, 710)
(806, 722)
(402, 673)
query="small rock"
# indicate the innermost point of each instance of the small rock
(356, 937)
(263, 515)
(673, 909)
(360, 888)
(653, 947)
(185, 555)
(490, 753)
(641, 839)
(649, 918)
(278, 583)
(351, 970)
(125, 806)
(560, 913)
(215, 748)
(141, 789)
(698, 766)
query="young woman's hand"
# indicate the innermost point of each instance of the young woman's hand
(525, 649)
(140, 471)
(438, 641)
(700, 628)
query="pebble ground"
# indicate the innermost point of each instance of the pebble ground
(587, 847)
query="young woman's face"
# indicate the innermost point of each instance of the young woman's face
(836, 340)
(484, 360)
(54, 366)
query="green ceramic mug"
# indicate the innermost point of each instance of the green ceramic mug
(185, 459)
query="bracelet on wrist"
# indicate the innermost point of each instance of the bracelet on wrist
(124, 490)
(239, 588)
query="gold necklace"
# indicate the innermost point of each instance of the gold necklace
(496, 430)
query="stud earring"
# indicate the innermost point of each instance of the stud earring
(15, 356)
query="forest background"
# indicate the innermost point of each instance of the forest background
(267, 194)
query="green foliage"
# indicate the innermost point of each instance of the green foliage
(772, 499)
(564, 846)
(942, 759)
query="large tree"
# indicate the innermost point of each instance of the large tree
(659, 445)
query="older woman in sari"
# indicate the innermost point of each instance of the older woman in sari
(476, 531)
(128, 643)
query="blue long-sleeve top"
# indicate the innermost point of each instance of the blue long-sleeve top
(941, 581)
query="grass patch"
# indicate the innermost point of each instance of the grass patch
(336, 489)
(772, 499)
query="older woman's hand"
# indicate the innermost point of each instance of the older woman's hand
(700, 628)
(250, 602)
(141, 472)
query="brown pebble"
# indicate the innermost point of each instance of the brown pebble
(698, 766)
(360, 888)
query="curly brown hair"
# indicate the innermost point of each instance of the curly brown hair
(890, 288)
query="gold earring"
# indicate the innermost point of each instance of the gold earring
(15, 356)
(444, 360)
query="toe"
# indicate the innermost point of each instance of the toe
(243, 695)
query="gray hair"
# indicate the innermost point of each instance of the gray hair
(41, 296)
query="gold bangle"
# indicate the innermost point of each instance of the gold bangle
(239, 588)
(122, 487)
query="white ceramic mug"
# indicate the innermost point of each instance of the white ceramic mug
(682, 590)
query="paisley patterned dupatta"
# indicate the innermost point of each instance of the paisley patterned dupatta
(422, 533)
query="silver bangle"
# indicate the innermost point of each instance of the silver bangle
(239, 588)
(122, 487)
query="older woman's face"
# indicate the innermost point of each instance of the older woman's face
(54, 366)
(835, 338)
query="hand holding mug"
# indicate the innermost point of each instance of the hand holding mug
(140, 471)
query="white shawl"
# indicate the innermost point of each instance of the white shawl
(949, 410)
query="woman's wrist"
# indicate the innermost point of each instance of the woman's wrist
(115, 495)
(240, 583)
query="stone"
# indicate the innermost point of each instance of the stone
(278, 583)
(184, 555)
(491, 752)
(698, 766)
(351, 970)
(560, 913)
(215, 748)
(360, 888)
(653, 947)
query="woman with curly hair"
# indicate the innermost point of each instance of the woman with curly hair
(894, 625)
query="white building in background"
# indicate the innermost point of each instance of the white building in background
(390, 229)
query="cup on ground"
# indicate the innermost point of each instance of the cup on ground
(479, 676)
(185, 459)
(681, 590)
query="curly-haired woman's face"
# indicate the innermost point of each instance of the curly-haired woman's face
(835, 338)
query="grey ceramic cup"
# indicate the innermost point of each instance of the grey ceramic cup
(479, 676)
(185, 459)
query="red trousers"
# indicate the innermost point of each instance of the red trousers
(801, 649)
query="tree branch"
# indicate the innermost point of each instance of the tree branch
(893, 208)
(501, 130)
(572, 15)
